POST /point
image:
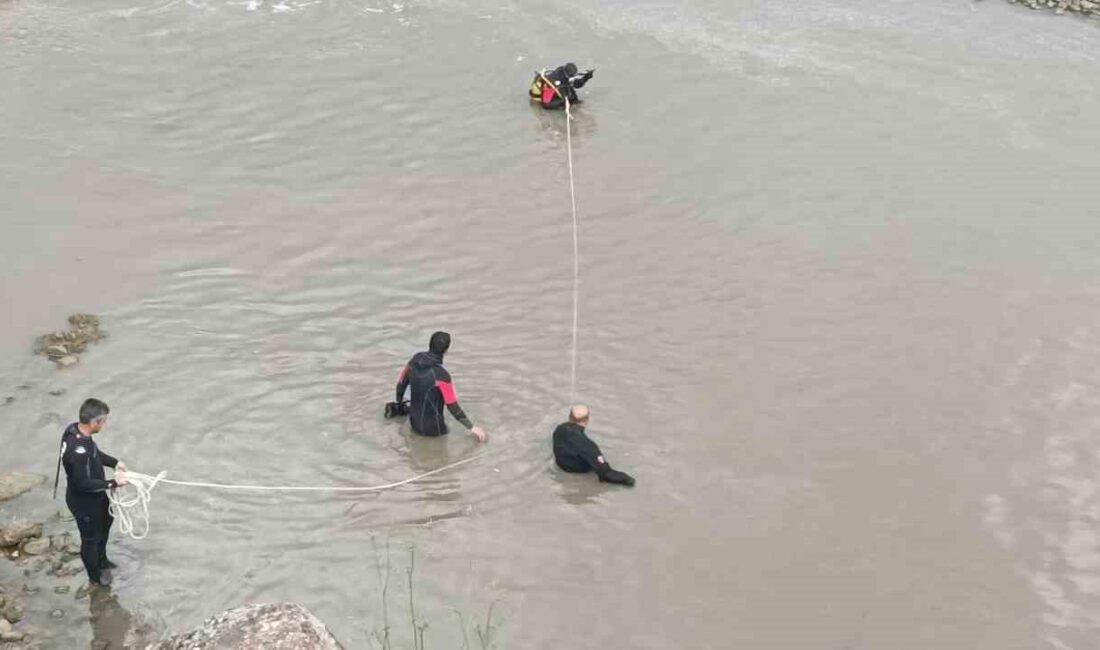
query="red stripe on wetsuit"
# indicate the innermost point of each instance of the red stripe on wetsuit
(447, 389)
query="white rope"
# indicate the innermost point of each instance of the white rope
(576, 250)
(124, 502)
(130, 507)
(576, 243)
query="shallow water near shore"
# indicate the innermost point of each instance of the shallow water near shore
(838, 311)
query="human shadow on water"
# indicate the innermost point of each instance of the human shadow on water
(110, 621)
(580, 489)
(552, 123)
(116, 628)
(430, 453)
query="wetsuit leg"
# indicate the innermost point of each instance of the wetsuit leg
(89, 521)
(108, 520)
(430, 424)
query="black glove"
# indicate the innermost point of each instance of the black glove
(615, 476)
(396, 409)
(588, 75)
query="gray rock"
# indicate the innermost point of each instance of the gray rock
(9, 399)
(71, 569)
(83, 590)
(36, 546)
(14, 611)
(7, 634)
(72, 548)
(66, 361)
(57, 392)
(15, 532)
(282, 626)
(57, 614)
(12, 484)
(61, 589)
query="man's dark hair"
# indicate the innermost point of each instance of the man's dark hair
(440, 342)
(93, 409)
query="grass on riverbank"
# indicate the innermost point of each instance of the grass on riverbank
(380, 636)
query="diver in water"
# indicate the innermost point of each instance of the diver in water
(432, 389)
(550, 88)
(574, 451)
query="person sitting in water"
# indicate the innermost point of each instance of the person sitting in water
(432, 389)
(574, 451)
(551, 88)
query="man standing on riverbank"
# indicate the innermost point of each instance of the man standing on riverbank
(574, 451)
(86, 487)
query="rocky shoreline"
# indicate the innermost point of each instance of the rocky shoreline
(30, 553)
(42, 578)
(1083, 7)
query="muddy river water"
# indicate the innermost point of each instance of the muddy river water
(838, 313)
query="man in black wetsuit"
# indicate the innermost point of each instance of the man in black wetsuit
(563, 82)
(86, 487)
(432, 389)
(574, 451)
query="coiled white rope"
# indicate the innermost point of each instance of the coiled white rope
(124, 502)
(130, 507)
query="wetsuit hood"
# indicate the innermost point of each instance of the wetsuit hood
(426, 359)
(439, 343)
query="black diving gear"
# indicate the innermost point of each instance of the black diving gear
(431, 388)
(551, 88)
(86, 495)
(574, 451)
(396, 409)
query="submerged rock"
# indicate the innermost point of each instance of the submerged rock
(62, 347)
(15, 532)
(282, 626)
(7, 634)
(13, 611)
(12, 484)
(36, 546)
